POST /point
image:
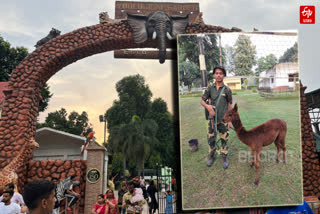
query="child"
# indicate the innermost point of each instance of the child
(137, 197)
(169, 203)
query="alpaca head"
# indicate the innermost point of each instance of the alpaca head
(231, 114)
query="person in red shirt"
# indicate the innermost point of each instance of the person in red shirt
(100, 206)
(173, 182)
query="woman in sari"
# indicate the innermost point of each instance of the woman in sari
(100, 206)
(111, 203)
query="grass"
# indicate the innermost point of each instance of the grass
(213, 187)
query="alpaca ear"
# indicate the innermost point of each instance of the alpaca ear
(235, 108)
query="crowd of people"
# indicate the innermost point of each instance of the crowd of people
(39, 196)
(136, 196)
(44, 197)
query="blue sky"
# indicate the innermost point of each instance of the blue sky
(88, 85)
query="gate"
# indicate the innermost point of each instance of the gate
(164, 185)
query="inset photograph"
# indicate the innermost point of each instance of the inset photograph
(239, 103)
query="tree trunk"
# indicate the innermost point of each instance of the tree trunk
(143, 167)
(124, 162)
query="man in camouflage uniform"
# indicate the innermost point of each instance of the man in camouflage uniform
(212, 94)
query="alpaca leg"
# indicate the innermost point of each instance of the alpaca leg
(252, 158)
(278, 153)
(284, 155)
(257, 163)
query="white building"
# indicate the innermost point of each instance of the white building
(54, 144)
(282, 76)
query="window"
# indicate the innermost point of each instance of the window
(293, 77)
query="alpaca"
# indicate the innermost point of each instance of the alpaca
(273, 130)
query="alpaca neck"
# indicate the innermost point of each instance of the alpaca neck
(18, 161)
(239, 129)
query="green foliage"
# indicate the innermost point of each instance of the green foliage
(117, 163)
(254, 91)
(154, 160)
(189, 73)
(139, 131)
(291, 54)
(10, 58)
(134, 99)
(134, 140)
(266, 63)
(46, 95)
(189, 51)
(230, 59)
(165, 133)
(245, 57)
(75, 123)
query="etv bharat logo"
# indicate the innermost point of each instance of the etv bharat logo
(307, 15)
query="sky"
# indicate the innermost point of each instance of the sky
(89, 84)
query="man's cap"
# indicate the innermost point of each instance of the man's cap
(220, 67)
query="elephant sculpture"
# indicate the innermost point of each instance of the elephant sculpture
(157, 25)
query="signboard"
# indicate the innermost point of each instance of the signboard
(93, 175)
(145, 8)
(172, 9)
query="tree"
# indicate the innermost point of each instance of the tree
(189, 74)
(245, 53)
(134, 140)
(189, 51)
(230, 59)
(10, 58)
(291, 54)
(134, 99)
(165, 134)
(75, 123)
(117, 163)
(266, 63)
(149, 134)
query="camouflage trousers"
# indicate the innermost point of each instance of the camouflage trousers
(222, 128)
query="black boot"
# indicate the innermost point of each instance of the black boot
(225, 161)
(211, 158)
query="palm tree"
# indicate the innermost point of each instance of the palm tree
(135, 140)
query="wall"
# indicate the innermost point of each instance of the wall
(61, 169)
(311, 168)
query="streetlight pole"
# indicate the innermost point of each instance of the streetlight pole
(105, 160)
(104, 119)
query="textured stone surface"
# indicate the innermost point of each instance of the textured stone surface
(310, 163)
(46, 172)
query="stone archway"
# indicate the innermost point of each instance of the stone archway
(18, 121)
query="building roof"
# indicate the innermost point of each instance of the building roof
(313, 99)
(49, 131)
(3, 86)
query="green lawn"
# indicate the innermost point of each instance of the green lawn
(214, 187)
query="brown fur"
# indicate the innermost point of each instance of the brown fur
(273, 130)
